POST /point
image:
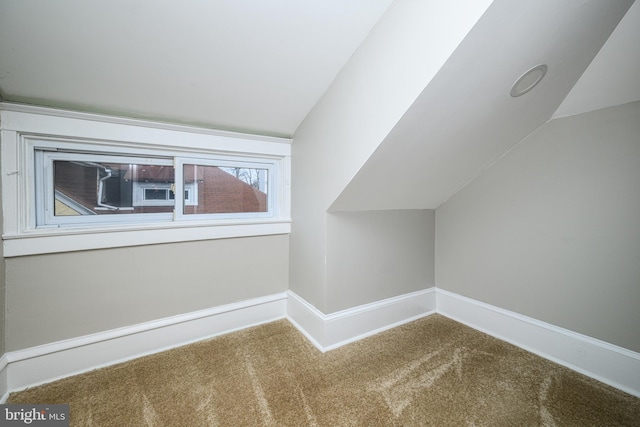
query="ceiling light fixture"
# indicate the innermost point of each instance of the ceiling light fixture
(528, 80)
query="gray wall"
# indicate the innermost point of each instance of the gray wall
(58, 296)
(2, 282)
(552, 230)
(378, 254)
(397, 60)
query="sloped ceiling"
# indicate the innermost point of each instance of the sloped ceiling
(244, 65)
(612, 77)
(465, 118)
(261, 66)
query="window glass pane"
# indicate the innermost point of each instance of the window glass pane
(155, 194)
(217, 189)
(107, 188)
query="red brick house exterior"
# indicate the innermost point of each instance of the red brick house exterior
(217, 190)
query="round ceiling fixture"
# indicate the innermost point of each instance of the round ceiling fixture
(528, 80)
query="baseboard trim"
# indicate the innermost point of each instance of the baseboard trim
(330, 331)
(4, 389)
(602, 361)
(607, 363)
(36, 365)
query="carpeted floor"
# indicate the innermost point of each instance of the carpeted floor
(431, 372)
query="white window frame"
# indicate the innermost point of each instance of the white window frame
(242, 163)
(46, 153)
(140, 188)
(24, 128)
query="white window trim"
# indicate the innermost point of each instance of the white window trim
(44, 194)
(20, 124)
(271, 195)
(139, 189)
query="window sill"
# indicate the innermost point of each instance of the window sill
(68, 240)
(22, 126)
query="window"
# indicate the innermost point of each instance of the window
(82, 188)
(162, 194)
(75, 189)
(183, 185)
(227, 189)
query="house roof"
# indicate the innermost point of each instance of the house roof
(149, 173)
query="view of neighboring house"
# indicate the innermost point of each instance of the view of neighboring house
(88, 188)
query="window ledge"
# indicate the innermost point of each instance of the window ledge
(53, 241)
(21, 124)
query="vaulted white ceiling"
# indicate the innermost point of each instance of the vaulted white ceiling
(261, 66)
(612, 77)
(465, 118)
(254, 66)
(246, 65)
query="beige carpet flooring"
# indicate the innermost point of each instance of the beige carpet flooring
(431, 372)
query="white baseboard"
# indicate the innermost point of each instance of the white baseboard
(36, 365)
(607, 363)
(329, 331)
(4, 388)
(602, 361)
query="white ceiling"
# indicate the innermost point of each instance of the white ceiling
(465, 119)
(612, 78)
(246, 65)
(252, 66)
(261, 66)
